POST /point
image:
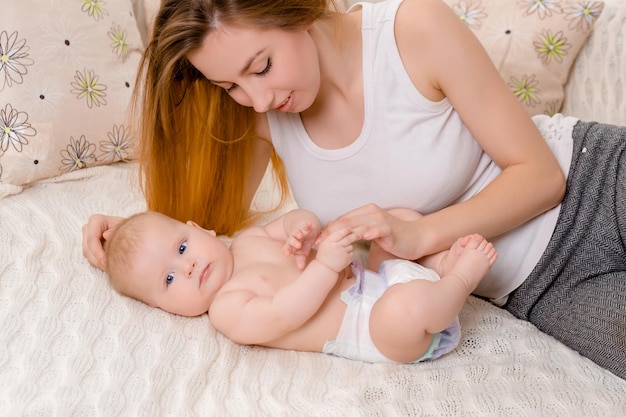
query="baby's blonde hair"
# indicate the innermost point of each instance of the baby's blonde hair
(121, 250)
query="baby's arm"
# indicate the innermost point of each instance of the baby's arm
(292, 221)
(249, 318)
(298, 229)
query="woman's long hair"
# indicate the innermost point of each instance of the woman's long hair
(195, 142)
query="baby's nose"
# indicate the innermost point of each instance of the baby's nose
(191, 268)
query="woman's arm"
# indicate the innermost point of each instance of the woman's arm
(445, 59)
(531, 181)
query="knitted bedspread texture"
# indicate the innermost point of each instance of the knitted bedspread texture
(71, 346)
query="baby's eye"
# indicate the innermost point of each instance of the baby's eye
(169, 279)
(182, 248)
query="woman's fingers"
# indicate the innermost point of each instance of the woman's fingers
(92, 247)
(95, 232)
(370, 222)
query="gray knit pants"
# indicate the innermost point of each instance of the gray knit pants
(577, 291)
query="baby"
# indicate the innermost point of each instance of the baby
(282, 286)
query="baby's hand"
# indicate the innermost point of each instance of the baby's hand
(299, 244)
(335, 250)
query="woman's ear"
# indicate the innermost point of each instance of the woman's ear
(211, 232)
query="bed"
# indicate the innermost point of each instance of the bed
(71, 346)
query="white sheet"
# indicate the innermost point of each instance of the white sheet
(70, 346)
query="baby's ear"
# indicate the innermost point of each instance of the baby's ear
(194, 224)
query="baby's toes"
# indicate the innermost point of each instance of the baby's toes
(476, 241)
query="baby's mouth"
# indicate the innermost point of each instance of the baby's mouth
(204, 275)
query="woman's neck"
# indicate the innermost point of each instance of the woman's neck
(336, 117)
(339, 48)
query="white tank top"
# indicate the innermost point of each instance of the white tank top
(411, 152)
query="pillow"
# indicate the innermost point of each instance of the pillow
(67, 70)
(145, 11)
(596, 89)
(533, 43)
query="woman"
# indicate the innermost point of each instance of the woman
(396, 105)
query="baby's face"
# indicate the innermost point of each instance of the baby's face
(181, 267)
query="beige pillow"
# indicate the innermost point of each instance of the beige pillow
(150, 10)
(596, 88)
(67, 69)
(533, 43)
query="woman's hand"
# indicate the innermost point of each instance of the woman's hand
(95, 232)
(373, 223)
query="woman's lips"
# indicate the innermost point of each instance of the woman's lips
(287, 104)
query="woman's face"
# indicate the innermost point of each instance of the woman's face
(264, 69)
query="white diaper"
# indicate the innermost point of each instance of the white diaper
(353, 340)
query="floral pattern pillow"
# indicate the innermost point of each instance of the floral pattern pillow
(67, 69)
(533, 43)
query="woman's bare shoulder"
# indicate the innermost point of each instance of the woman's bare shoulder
(419, 20)
(432, 40)
(422, 29)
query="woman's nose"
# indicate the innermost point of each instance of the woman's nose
(261, 100)
(261, 106)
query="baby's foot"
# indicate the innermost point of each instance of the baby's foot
(469, 259)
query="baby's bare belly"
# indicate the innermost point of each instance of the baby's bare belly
(324, 325)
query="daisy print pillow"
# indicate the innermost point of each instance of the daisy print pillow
(67, 70)
(533, 43)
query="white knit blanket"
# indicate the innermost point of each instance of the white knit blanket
(70, 346)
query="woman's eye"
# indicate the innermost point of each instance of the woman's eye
(169, 279)
(267, 67)
(231, 88)
(182, 248)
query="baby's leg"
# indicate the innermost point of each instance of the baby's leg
(458, 262)
(406, 316)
